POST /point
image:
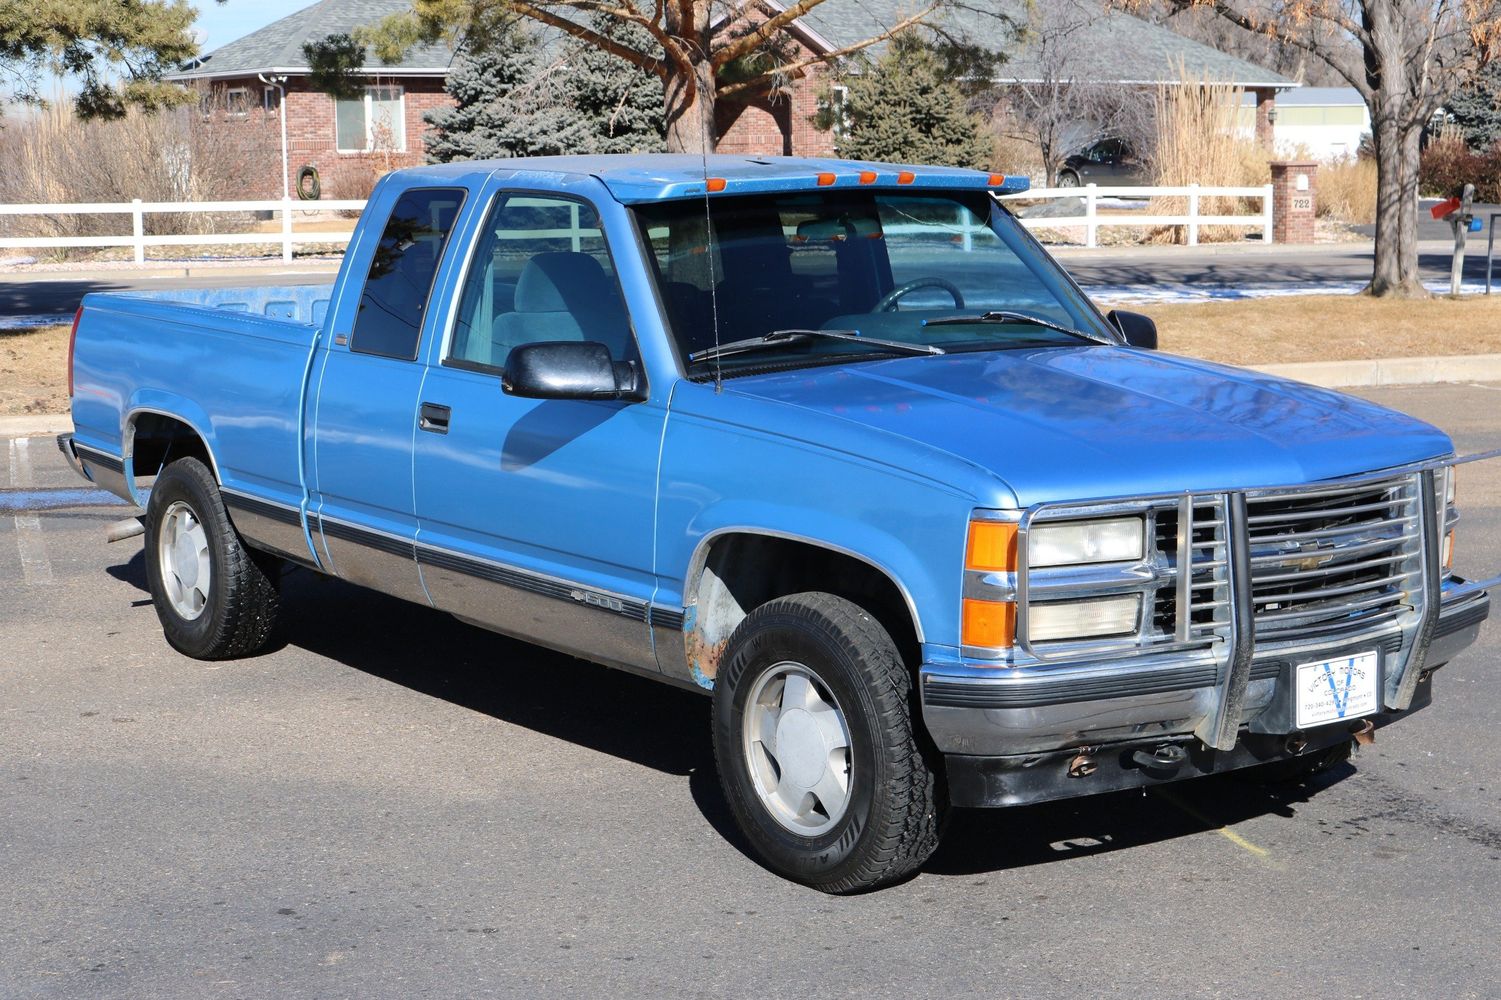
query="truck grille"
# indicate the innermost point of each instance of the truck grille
(1333, 560)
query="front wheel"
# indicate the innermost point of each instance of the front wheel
(816, 748)
(213, 596)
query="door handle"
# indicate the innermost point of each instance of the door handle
(434, 418)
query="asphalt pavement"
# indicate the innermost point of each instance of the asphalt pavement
(394, 804)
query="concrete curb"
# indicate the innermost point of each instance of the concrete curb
(35, 425)
(1391, 371)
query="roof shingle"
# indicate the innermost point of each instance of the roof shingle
(278, 46)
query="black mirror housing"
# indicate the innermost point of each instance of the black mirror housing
(569, 370)
(1138, 330)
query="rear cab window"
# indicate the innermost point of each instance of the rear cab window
(400, 280)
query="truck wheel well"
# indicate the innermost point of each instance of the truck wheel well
(157, 439)
(743, 571)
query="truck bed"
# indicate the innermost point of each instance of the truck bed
(231, 363)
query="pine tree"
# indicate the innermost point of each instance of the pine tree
(508, 103)
(902, 107)
(623, 105)
(1476, 109)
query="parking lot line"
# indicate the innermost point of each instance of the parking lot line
(1219, 828)
(36, 568)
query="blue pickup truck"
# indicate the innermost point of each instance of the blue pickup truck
(837, 442)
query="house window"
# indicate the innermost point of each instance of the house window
(373, 121)
(237, 101)
(839, 97)
(271, 99)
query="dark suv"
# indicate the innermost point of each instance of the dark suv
(1109, 161)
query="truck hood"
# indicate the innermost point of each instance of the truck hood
(1080, 423)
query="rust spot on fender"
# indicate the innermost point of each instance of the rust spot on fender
(703, 657)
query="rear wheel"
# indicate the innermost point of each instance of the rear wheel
(816, 748)
(215, 598)
(1068, 179)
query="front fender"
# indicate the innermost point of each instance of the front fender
(910, 530)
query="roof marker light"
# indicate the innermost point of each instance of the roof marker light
(824, 180)
(997, 180)
(714, 183)
(867, 177)
(906, 177)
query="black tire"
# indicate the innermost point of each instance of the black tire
(1297, 770)
(895, 807)
(1068, 179)
(240, 603)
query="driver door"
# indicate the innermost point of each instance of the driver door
(535, 516)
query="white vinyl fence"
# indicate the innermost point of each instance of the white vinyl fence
(1118, 200)
(139, 240)
(1090, 196)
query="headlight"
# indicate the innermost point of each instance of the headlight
(1073, 543)
(1086, 619)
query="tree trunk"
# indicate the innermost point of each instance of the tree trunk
(1396, 266)
(1396, 132)
(690, 109)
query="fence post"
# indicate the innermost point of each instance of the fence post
(1091, 227)
(1266, 214)
(286, 229)
(1193, 215)
(138, 230)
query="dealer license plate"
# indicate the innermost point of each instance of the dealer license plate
(1342, 688)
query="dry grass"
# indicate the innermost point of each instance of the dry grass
(1197, 143)
(34, 370)
(1328, 328)
(1347, 191)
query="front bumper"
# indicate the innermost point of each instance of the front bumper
(974, 710)
(1022, 779)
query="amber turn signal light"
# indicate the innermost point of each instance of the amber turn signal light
(991, 624)
(991, 546)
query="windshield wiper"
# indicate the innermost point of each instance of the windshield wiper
(1008, 316)
(778, 338)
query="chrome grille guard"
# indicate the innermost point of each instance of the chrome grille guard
(1213, 606)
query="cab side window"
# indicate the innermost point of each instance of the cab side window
(401, 274)
(541, 272)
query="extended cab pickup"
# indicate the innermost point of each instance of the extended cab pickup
(835, 441)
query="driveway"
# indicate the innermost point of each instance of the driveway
(394, 804)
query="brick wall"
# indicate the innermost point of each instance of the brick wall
(312, 139)
(1294, 200)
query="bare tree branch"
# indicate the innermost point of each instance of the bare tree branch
(579, 31)
(748, 43)
(766, 79)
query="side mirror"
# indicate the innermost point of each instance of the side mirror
(568, 370)
(1138, 330)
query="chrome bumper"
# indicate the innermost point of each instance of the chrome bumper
(976, 709)
(100, 468)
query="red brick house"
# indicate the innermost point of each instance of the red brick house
(348, 141)
(352, 141)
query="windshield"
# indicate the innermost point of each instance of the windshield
(883, 265)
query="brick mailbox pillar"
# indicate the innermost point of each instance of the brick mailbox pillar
(1294, 197)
